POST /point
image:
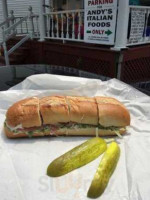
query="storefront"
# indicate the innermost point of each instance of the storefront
(79, 4)
(77, 36)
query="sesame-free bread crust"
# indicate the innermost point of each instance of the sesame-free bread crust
(112, 113)
(54, 110)
(35, 112)
(83, 110)
(24, 112)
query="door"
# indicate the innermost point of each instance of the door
(75, 4)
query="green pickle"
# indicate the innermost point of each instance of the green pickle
(105, 170)
(77, 157)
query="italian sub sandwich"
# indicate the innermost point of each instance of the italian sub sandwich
(66, 115)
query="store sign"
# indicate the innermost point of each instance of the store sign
(137, 25)
(100, 21)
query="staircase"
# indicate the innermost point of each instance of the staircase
(17, 57)
(16, 33)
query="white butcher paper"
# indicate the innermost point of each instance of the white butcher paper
(23, 162)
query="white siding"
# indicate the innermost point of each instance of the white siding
(20, 7)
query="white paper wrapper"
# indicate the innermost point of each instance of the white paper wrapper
(23, 162)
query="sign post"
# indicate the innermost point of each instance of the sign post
(100, 21)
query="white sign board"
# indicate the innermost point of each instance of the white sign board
(137, 25)
(100, 21)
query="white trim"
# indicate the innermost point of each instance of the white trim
(140, 7)
(15, 25)
(6, 54)
(64, 12)
(66, 39)
(120, 66)
(122, 24)
(139, 43)
(41, 20)
(18, 44)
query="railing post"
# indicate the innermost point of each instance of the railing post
(6, 54)
(31, 28)
(41, 20)
(12, 18)
(5, 48)
(122, 24)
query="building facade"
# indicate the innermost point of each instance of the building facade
(68, 4)
(60, 27)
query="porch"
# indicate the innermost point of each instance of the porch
(57, 21)
(63, 35)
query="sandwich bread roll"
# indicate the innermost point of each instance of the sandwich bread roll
(54, 110)
(83, 110)
(66, 115)
(111, 112)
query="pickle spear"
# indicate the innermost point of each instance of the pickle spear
(77, 157)
(105, 170)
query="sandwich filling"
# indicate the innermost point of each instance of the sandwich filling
(52, 129)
